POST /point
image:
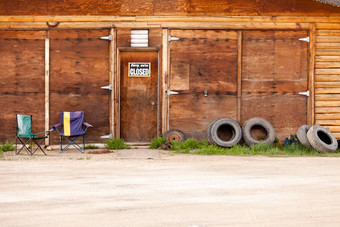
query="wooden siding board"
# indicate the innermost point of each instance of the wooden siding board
(167, 7)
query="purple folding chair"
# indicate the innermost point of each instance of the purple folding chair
(71, 129)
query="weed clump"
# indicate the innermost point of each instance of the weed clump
(185, 146)
(7, 146)
(157, 142)
(90, 146)
(116, 144)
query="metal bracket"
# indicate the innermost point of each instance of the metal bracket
(107, 136)
(171, 38)
(109, 87)
(109, 37)
(306, 93)
(169, 92)
(305, 39)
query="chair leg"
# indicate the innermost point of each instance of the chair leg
(23, 146)
(83, 143)
(61, 146)
(39, 146)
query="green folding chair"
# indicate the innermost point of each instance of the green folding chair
(26, 137)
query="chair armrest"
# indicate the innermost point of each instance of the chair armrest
(54, 127)
(87, 125)
(47, 132)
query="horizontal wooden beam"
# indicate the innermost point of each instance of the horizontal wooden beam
(46, 25)
(72, 18)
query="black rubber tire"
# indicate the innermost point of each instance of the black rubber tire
(258, 122)
(302, 136)
(174, 135)
(322, 139)
(232, 126)
(210, 140)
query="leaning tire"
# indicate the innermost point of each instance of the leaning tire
(302, 136)
(224, 132)
(257, 122)
(322, 139)
(174, 135)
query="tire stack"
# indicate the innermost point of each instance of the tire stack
(225, 132)
(317, 137)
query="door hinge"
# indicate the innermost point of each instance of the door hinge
(171, 38)
(109, 37)
(306, 93)
(109, 87)
(169, 92)
(107, 136)
(305, 39)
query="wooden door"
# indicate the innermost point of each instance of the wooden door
(22, 82)
(79, 67)
(138, 95)
(203, 70)
(274, 71)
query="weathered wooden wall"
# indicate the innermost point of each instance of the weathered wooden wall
(327, 78)
(22, 81)
(167, 7)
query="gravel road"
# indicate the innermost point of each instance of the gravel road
(165, 189)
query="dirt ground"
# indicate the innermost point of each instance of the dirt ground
(147, 188)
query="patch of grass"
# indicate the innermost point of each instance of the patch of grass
(186, 146)
(157, 142)
(88, 158)
(7, 146)
(90, 146)
(206, 149)
(116, 144)
(1, 153)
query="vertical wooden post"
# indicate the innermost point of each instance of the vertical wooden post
(239, 74)
(311, 99)
(47, 86)
(165, 71)
(112, 62)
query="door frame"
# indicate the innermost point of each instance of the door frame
(117, 85)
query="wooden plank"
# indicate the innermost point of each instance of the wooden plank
(174, 18)
(328, 45)
(332, 116)
(328, 32)
(327, 97)
(328, 122)
(327, 26)
(327, 78)
(327, 90)
(239, 75)
(311, 76)
(47, 87)
(336, 135)
(327, 52)
(319, 110)
(327, 103)
(332, 84)
(328, 39)
(327, 71)
(327, 58)
(326, 65)
(112, 63)
(164, 79)
(179, 76)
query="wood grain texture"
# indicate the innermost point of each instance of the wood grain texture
(22, 82)
(212, 60)
(274, 70)
(167, 7)
(79, 67)
(138, 98)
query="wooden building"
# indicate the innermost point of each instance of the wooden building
(236, 59)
